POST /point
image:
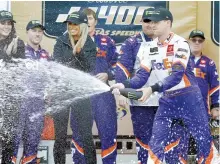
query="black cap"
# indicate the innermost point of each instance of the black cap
(197, 33)
(77, 18)
(34, 23)
(147, 13)
(160, 14)
(6, 15)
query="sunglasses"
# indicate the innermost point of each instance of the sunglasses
(146, 20)
(197, 40)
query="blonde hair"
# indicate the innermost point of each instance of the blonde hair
(82, 39)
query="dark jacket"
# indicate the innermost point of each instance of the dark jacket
(84, 61)
(19, 54)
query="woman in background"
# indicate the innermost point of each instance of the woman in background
(10, 47)
(75, 49)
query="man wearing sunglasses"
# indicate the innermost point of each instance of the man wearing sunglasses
(207, 77)
(206, 73)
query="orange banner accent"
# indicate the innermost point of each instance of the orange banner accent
(48, 132)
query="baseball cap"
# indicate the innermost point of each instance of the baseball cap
(160, 14)
(33, 24)
(147, 13)
(6, 15)
(77, 18)
(197, 33)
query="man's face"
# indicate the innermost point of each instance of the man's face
(160, 27)
(35, 35)
(196, 44)
(73, 29)
(91, 23)
(5, 28)
(147, 27)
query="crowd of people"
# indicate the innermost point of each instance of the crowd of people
(176, 78)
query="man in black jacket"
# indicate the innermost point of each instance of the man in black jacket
(77, 50)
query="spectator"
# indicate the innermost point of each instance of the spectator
(77, 50)
(10, 47)
(29, 126)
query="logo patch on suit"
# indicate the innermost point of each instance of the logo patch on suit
(170, 50)
(101, 53)
(103, 40)
(183, 50)
(180, 55)
(203, 62)
(153, 51)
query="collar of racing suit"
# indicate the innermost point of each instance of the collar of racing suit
(166, 42)
(31, 48)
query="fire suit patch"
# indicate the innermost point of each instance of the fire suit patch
(101, 53)
(103, 40)
(183, 50)
(170, 50)
(203, 62)
(181, 56)
(155, 49)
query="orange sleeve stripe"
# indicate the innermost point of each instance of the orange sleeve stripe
(171, 145)
(201, 159)
(211, 154)
(145, 146)
(213, 90)
(26, 160)
(79, 149)
(154, 157)
(182, 160)
(179, 63)
(186, 81)
(108, 151)
(127, 73)
(146, 68)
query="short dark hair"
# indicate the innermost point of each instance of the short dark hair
(34, 23)
(88, 11)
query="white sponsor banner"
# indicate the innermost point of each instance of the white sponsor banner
(5, 5)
